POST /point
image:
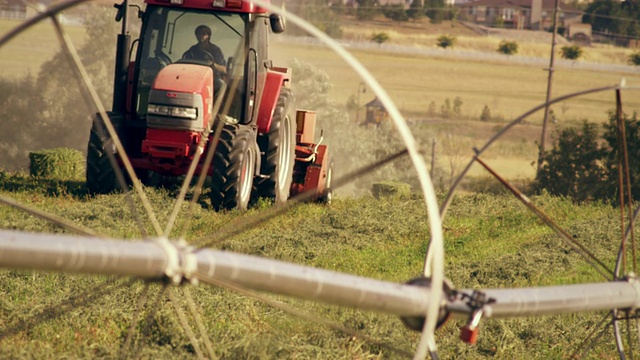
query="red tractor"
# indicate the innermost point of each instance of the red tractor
(175, 87)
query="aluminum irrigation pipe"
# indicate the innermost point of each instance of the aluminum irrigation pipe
(151, 260)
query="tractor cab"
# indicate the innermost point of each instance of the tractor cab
(168, 33)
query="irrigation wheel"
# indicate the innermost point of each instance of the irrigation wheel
(144, 329)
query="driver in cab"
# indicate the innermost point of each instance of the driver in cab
(205, 50)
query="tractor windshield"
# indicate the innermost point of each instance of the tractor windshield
(170, 33)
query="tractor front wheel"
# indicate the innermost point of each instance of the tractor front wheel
(233, 169)
(100, 172)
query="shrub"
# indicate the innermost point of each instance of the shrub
(572, 168)
(457, 106)
(416, 11)
(486, 114)
(445, 109)
(435, 10)
(445, 41)
(395, 12)
(380, 37)
(508, 47)
(634, 59)
(431, 111)
(582, 169)
(573, 52)
(366, 10)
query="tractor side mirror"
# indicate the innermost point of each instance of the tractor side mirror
(277, 23)
(120, 13)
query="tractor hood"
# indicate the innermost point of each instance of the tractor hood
(181, 98)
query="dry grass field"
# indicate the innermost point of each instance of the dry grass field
(420, 83)
(27, 52)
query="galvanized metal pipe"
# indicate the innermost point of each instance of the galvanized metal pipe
(149, 260)
(77, 254)
(556, 300)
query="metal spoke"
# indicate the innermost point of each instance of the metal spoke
(134, 321)
(601, 328)
(149, 319)
(63, 223)
(195, 313)
(87, 298)
(185, 324)
(84, 76)
(195, 162)
(241, 225)
(625, 179)
(589, 257)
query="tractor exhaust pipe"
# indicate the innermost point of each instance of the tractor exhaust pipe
(122, 60)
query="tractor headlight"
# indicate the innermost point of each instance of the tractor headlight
(173, 111)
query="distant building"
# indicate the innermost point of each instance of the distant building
(519, 14)
(354, 3)
(20, 9)
(13, 9)
(376, 113)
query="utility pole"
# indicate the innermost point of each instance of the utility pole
(549, 83)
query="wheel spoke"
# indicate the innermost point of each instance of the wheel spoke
(599, 330)
(134, 322)
(63, 223)
(185, 324)
(84, 76)
(57, 310)
(588, 256)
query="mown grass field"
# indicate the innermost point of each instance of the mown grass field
(490, 241)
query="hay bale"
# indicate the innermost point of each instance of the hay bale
(391, 189)
(58, 163)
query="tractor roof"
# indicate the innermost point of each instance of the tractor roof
(221, 5)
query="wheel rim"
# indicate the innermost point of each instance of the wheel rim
(285, 156)
(246, 176)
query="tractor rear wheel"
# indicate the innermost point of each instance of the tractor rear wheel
(278, 147)
(100, 173)
(233, 169)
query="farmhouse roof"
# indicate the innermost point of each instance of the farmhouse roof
(375, 103)
(546, 4)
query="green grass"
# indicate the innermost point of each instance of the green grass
(490, 241)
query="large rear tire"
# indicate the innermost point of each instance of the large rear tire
(233, 169)
(278, 147)
(100, 174)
